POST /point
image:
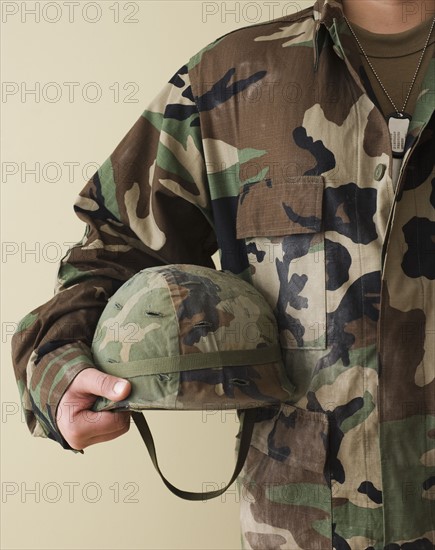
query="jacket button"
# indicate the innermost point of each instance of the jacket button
(338, 51)
(380, 171)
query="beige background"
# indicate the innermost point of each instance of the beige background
(110, 497)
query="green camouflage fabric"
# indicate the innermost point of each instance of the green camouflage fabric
(268, 145)
(190, 337)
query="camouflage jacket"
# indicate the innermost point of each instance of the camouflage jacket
(269, 146)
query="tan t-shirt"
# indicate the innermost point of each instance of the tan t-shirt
(395, 58)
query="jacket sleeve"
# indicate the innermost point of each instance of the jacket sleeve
(148, 204)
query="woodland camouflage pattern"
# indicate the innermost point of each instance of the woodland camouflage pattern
(269, 146)
(190, 337)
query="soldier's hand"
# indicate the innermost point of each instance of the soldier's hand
(79, 425)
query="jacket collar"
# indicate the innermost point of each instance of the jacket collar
(326, 10)
(327, 13)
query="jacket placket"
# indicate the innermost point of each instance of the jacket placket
(392, 493)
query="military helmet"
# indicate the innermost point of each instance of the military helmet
(190, 337)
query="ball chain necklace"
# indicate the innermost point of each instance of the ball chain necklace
(398, 122)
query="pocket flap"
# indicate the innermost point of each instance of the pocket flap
(274, 209)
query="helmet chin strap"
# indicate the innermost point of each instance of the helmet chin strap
(245, 440)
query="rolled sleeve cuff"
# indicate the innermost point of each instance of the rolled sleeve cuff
(50, 379)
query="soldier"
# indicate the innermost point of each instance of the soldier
(302, 149)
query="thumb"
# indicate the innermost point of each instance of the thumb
(120, 389)
(95, 382)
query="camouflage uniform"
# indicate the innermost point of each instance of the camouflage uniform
(268, 146)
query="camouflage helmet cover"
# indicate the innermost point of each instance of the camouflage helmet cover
(189, 337)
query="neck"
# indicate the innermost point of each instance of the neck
(388, 16)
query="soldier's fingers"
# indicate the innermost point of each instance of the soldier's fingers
(94, 382)
(106, 437)
(87, 425)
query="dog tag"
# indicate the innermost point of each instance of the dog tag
(398, 126)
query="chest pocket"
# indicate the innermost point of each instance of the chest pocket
(281, 223)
